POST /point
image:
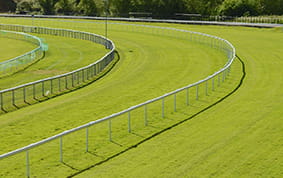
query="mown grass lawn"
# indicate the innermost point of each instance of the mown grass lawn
(11, 48)
(147, 70)
(240, 137)
(64, 55)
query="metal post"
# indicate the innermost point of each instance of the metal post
(27, 164)
(110, 130)
(78, 77)
(223, 76)
(83, 76)
(163, 108)
(61, 149)
(87, 139)
(213, 84)
(175, 103)
(1, 101)
(51, 86)
(13, 97)
(24, 94)
(66, 82)
(42, 88)
(106, 23)
(188, 97)
(94, 69)
(87, 74)
(33, 86)
(129, 122)
(145, 115)
(73, 80)
(59, 84)
(218, 79)
(197, 92)
(32, 18)
(206, 88)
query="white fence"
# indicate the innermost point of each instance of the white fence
(11, 66)
(34, 91)
(213, 80)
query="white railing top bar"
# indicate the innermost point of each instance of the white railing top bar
(227, 65)
(194, 22)
(24, 34)
(65, 74)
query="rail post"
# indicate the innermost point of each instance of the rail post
(206, 92)
(33, 91)
(187, 93)
(86, 139)
(129, 122)
(145, 115)
(175, 102)
(61, 149)
(110, 130)
(1, 101)
(197, 92)
(27, 164)
(212, 82)
(24, 94)
(163, 108)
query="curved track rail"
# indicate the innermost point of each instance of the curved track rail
(37, 90)
(11, 66)
(212, 41)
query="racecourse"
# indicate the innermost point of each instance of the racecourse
(11, 48)
(241, 135)
(66, 54)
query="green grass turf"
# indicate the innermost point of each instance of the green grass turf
(11, 48)
(64, 55)
(240, 137)
(146, 70)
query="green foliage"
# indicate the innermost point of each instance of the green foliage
(274, 7)
(87, 7)
(65, 7)
(26, 6)
(238, 8)
(48, 6)
(7, 5)
(122, 7)
(158, 8)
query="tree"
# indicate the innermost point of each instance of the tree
(122, 7)
(168, 8)
(25, 6)
(87, 7)
(48, 6)
(274, 7)
(239, 8)
(66, 7)
(7, 5)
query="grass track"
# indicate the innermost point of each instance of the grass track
(64, 55)
(139, 62)
(240, 137)
(11, 48)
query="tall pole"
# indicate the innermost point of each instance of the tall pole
(106, 23)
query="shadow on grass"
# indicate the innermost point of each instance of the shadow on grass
(172, 126)
(15, 107)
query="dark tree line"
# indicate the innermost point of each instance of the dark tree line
(157, 8)
(165, 8)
